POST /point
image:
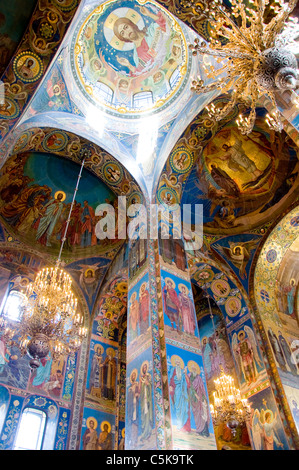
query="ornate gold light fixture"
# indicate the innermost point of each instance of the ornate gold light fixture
(228, 408)
(252, 42)
(49, 321)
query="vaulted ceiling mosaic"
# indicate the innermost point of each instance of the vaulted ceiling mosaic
(241, 181)
(112, 79)
(13, 23)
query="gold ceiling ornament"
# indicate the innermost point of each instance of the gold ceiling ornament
(252, 44)
(229, 407)
(49, 322)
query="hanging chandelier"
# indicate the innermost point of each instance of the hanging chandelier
(49, 321)
(254, 55)
(229, 407)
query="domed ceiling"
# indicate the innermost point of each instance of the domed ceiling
(122, 79)
(129, 59)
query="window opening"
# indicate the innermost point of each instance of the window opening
(12, 309)
(31, 430)
(144, 99)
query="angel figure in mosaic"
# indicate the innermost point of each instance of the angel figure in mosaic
(238, 253)
(264, 427)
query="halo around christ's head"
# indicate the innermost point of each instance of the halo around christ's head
(109, 25)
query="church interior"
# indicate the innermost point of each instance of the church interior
(149, 297)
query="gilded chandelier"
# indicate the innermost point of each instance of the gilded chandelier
(49, 321)
(229, 408)
(252, 43)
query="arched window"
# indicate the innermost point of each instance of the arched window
(104, 92)
(12, 307)
(144, 99)
(174, 78)
(4, 400)
(31, 430)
